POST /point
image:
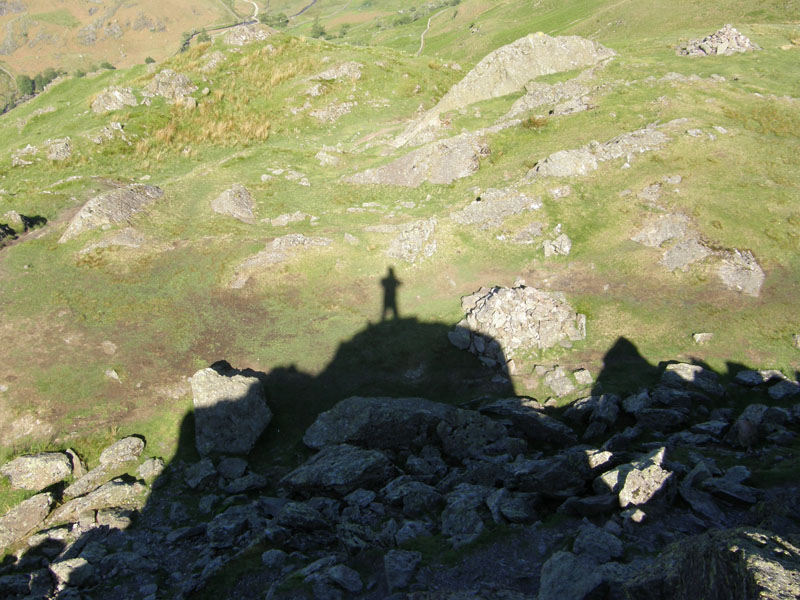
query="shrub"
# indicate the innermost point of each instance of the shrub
(149, 60)
(317, 30)
(107, 65)
(80, 73)
(25, 85)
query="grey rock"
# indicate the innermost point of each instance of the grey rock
(740, 271)
(24, 518)
(347, 70)
(661, 419)
(246, 483)
(244, 34)
(598, 544)
(377, 422)
(235, 202)
(531, 420)
(638, 482)
(503, 321)
(754, 378)
(230, 411)
(113, 98)
(730, 487)
(125, 450)
(518, 507)
(400, 567)
(37, 471)
(274, 559)
(200, 474)
(58, 150)
(416, 498)
(685, 253)
(636, 402)
(440, 162)
(74, 572)
(700, 502)
(411, 530)
(728, 563)
(223, 530)
(566, 576)
(110, 208)
(232, 467)
(346, 578)
(340, 469)
(784, 389)
(589, 506)
(115, 493)
(151, 469)
(494, 206)
(712, 428)
(415, 242)
(566, 163)
(693, 377)
(171, 85)
(277, 251)
(296, 515)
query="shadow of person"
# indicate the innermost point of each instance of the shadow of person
(390, 283)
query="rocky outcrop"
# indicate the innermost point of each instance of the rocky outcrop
(230, 410)
(740, 271)
(171, 85)
(245, 34)
(414, 242)
(235, 202)
(493, 206)
(24, 518)
(440, 162)
(114, 98)
(58, 150)
(500, 322)
(110, 208)
(507, 70)
(37, 471)
(279, 250)
(736, 563)
(348, 70)
(727, 41)
(582, 161)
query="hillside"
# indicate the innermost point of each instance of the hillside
(313, 211)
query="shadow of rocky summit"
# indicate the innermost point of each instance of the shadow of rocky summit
(397, 491)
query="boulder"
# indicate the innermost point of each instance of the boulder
(399, 567)
(339, 469)
(693, 377)
(566, 576)
(125, 450)
(377, 423)
(729, 563)
(226, 527)
(599, 544)
(26, 517)
(58, 150)
(114, 461)
(110, 208)
(37, 471)
(113, 98)
(230, 410)
(171, 85)
(529, 417)
(235, 202)
(112, 494)
(638, 482)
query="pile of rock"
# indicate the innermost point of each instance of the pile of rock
(501, 322)
(726, 41)
(388, 471)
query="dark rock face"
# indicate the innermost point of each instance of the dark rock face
(230, 411)
(736, 563)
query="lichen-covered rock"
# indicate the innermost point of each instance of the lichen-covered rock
(415, 241)
(60, 149)
(24, 518)
(440, 162)
(377, 422)
(340, 469)
(230, 410)
(733, 563)
(113, 98)
(171, 85)
(502, 321)
(37, 471)
(740, 271)
(109, 208)
(235, 202)
(660, 229)
(112, 494)
(247, 33)
(725, 42)
(114, 461)
(507, 70)
(530, 419)
(493, 206)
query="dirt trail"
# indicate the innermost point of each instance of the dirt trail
(422, 35)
